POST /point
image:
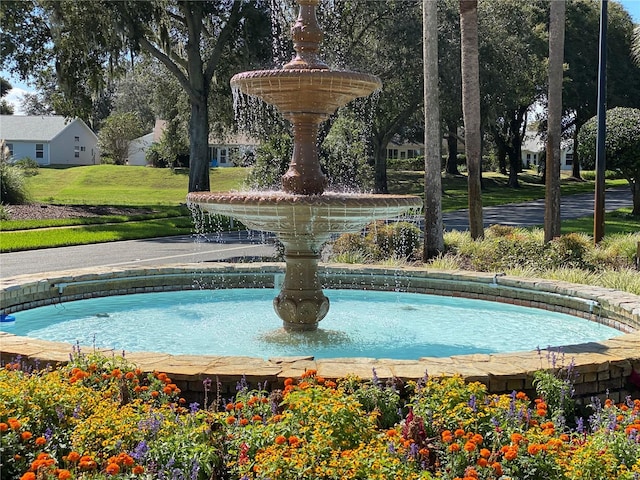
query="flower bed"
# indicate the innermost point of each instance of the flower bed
(100, 417)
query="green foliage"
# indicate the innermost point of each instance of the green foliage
(622, 143)
(382, 241)
(344, 155)
(28, 165)
(116, 134)
(13, 189)
(272, 160)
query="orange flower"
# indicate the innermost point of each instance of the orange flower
(116, 373)
(288, 381)
(130, 375)
(3, 427)
(126, 459)
(41, 441)
(28, 476)
(167, 390)
(155, 394)
(26, 436)
(535, 448)
(485, 453)
(309, 373)
(276, 418)
(319, 380)
(244, 421)
(454, 447)
(391, 432)
(511, 453)
(330, 384)
(447, 437)
(230, 420)
(14, 424)
(470, 446)
(304, 385)
(228, 407)
(424, 452)
(73, 457)
(497, 468)
(64, 474)
(482, 462)
(477, 438)
(112, 469)
(256, 418)
(138, 470)
(521, 396)
(293, 440)
(516, 438)
(281, 439)
(239, 406)
(459, 433)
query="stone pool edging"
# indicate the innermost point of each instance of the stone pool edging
(602, 368)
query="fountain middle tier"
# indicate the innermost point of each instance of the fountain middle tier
(303, 223)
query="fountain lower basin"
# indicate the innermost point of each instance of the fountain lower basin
(600, 366)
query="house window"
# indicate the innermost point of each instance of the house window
(569, 159)
(403, 155)
(223, 156)
(392, 153)
(10, 148)
(39, 150)
(76, 151)
(77, 139)
(82, 149)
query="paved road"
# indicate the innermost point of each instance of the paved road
(532, 213)
(193, 249)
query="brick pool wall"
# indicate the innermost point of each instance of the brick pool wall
(602, 368)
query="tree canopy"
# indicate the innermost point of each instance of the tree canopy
(622, 146)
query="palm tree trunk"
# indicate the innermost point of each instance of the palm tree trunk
(552, 222)
(433, 228)
(471, 111)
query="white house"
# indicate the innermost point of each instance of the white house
(138, 150)
(223, 152)
(50, 140)
(533, 151)
(397, 149)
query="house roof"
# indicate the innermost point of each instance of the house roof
(32, 127)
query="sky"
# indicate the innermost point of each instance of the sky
(19, 88)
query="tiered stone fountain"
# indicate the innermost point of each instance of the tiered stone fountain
(303, 216)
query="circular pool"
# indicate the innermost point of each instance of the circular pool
(241, 322)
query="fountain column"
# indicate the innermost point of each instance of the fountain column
(301, 304)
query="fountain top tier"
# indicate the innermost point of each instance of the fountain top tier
(306, 92)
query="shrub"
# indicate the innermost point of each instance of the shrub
(13, 190)
(28, 166)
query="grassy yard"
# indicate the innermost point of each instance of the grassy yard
(122, 185)
(163, 192)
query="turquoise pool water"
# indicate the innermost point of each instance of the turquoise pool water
(359, 324)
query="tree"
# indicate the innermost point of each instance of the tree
(622, 146)
(382, 38)
(116, 135)
(635, 48)
(580, 91)
(197, 42)
(5, 87)
(513, 54)
(433, 230)
(552, 220)
(471, 112)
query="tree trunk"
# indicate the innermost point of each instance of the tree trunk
(575, 168)
(552, 221)
(380, 165)
(471, 112)
(433, 228)
(635, 191)
(199, 147)
(452, 149)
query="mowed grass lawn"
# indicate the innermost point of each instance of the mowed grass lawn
(160, 194)
(123, 185)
